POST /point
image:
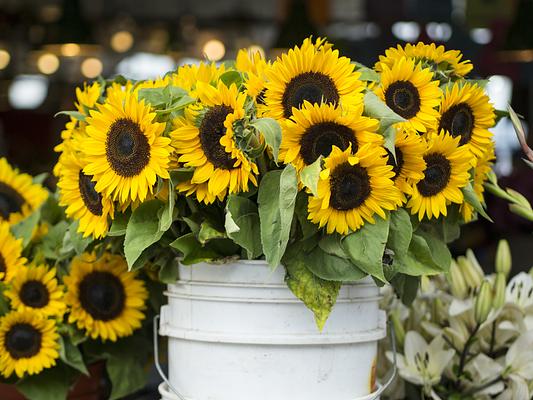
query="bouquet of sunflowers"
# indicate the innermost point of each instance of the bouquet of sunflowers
(70, 311)
(332, 169)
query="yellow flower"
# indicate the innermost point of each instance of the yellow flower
(447, 166)
(410, 92)
(87, 97)
(29, 343)
(105, 299)
(188, 76)
(352, 188)
(255, 67)
(11, 260)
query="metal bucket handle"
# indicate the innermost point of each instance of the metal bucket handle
(372, 396)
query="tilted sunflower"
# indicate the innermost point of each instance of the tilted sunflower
(19, 196)
(87, 97)
(313, 130)
(466, 112)
(188, 76)
(408, 165)
(29, 343)
(83, 203)
(352, 188)
(11, 260)
(481, 172)
(36, 288)
(105, 299)
(434, 56)
(316, 75)
(204, 140)
(408, 89)
(447, 171)
(253, 64)
(125, 149)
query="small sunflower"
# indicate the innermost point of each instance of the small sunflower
(188, 76)
(447, 166)
(466, 112)
(410, 92)
(36, 288)
(352, 188)
(87, 97)
(83, 203)
(409, 164)
(124, 148)
(435, 56)
(481, 172)
(253, 64)
(11, 260)
(29, 343)
(315, 75)
(19, 196)
(313, 130)
(105, 299)
(204, 140)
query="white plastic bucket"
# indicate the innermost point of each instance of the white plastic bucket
(236, 332)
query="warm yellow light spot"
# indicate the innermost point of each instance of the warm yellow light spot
(70, 49)
(214, 50)
(48, 63)
(91, 67)
(4, 58)
(255, 48)
(121, 41)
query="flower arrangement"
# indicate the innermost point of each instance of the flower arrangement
(67, 306)
(330, 168)
(467, 334)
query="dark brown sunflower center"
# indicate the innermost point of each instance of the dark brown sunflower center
(34, 294)
(319, 139)
(436, 176)
(403, 98)
(3, 268)
(211, 130)
(91, 198)
(458, 121)
(350, 186)
(10, 201)
(23, 341)
(102, 295)
(314, 87)
(127, 148)
(397, 163)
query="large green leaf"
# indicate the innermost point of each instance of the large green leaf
(126, 373)
(331, 267)
(242, 225)
(406, 287)
(472, 199)
(271, 131)
(311, 174)
(76, 239)
(119, 225)
(400, 232)
(427, 255)
(53, 240)
(25, 228)
(51, 384)
(71, 355)
(192, 250)
(376, 108)
(308, 228)
(277, 197)
(167, 214)
(209, 232)
(142, 230)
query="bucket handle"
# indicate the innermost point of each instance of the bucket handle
(372, 396)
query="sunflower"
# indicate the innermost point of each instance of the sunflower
(435, 56)
(83, 203)
(446, 172)
(87, 97)
(29, 343)
(36, 288)
(315, 75)
(19, 196)
(352, 188)
(313, 130)
(481, 172)
(124, 148)
(255, 67)
(11, 260)
(410, 92)
(204, 140)
(188, 76)
(408, 165)
(466, 112)
(105, 299)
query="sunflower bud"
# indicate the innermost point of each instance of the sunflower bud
(498, 290)
(399, 330)
(503, 258)
(457, 281)
(483, 303)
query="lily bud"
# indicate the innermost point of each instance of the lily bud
(457, 281)
(471, 270)
(498, 290)
(399, 330)
(503, 258)
(483, 303)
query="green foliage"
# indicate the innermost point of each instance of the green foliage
(51, 384)
(119, 225)
(406, 287)
(375, 108)
(367, 74)
(192, 250)
(271, 131)
(329, 262)
(231, 77)
(70, 354)
(25, 228)
(472, 199)
(242, 225)
(52, 247)
(73, 114)
(310, 175)
(400, 231)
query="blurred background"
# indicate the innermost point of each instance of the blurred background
(48, 47)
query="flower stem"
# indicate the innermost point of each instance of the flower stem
(464, 354)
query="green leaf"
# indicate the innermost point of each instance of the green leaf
(208, 232)
(71, 355)
(389, 137)
(154, 96)
(231, 77)
(169, 272)
(317, 294)
(427, 255)
(142, 230)
(331, 266)
(25, 228)
(375, 108)
(308, 228)
(177, 105)
(310, 175)
(271, 131)
(119, 225)
(181, 175)
(39, 179)
(78, 242)
(406, 287)
(51, 212)
(51, 384)
(74, 114)
(126, 374)
(367, 74)
(400, 232)
(472, 199)
(53, 240)
(242, 225)
(277, 197)
(192, 250)
(166, 216)
(366, 246)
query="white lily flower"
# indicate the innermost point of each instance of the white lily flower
(520, 292)
(519, 358)
(484, 370)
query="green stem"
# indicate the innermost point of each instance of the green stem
(464, 354)
(492, 339)
(483, 386)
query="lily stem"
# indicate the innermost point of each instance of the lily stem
(464, 354)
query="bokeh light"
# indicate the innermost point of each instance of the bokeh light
(70, 49)
(214, 50)
(4, 58)
(48, 63)
(91, 67)
(121, 41)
